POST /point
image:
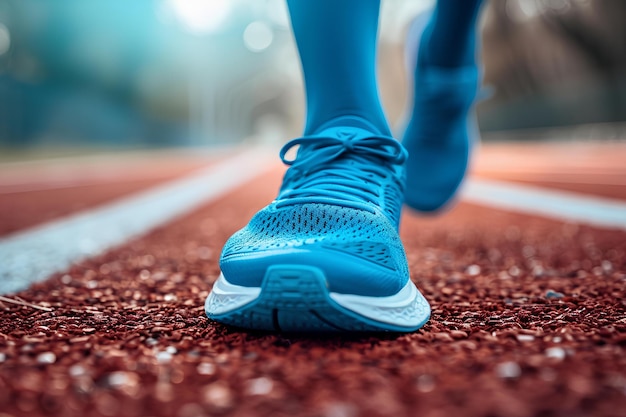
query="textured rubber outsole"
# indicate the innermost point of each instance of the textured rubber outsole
(295, 298)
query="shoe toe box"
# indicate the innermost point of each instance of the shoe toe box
(359, 252)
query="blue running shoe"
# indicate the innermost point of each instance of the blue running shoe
(442, 128)
(325, 255)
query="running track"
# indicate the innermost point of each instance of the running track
(528, 307)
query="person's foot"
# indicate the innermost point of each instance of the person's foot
(325, 255)
(442, 128)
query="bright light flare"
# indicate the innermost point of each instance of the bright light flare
(200, 16)
(258, 36)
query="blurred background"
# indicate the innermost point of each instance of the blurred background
(118, 74)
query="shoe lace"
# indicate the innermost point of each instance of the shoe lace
(347, 170)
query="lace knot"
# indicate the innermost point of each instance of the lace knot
(348, 170)
(325, 149)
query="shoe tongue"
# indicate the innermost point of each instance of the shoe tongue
(347, 123)
(339, 132)
(345, 132)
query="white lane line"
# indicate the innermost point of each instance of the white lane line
(35, 254)
(556, 204)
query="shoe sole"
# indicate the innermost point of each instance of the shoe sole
(295, 298)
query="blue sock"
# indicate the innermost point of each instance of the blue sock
(337, 44)
(450, 38)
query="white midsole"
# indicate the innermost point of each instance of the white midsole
(407, 307)
(226, 297)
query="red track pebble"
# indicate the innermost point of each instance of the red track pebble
(528, 320)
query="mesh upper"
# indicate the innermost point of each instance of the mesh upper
(332, 231)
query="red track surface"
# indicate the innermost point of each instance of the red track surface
(528, 320)
(40, 192)
(578, 167)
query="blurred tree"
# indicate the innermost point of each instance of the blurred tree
(554, 62)
(597, 29)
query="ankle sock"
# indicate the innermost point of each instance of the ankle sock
(451, 36)
(337, 45)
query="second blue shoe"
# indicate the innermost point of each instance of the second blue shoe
(442, 129)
